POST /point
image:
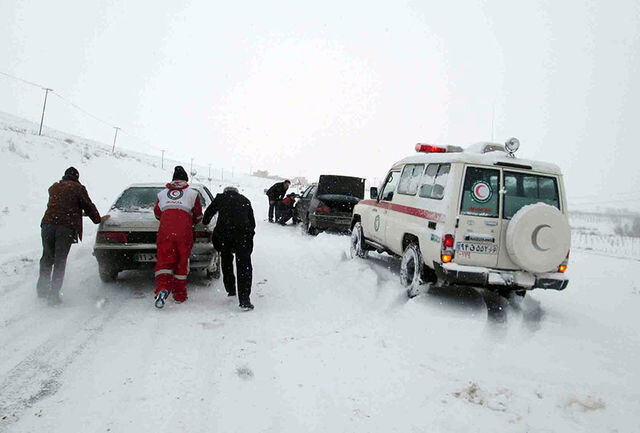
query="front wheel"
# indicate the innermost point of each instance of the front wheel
(411, 270)
(358, 248)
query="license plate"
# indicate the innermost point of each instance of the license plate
(145, 258)
(477, 248)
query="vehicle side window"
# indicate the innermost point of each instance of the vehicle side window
(390, 186)
(435, 181)
(410, 179)
(523, 189)
(305, 194)
(208, 193)
(480, 193)
(312, 191)
(203, 200)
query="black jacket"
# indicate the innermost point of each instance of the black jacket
(277, 191)
(235, 217)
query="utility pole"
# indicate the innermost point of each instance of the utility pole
(222, 174)
(209, 178)
(191, 169)
(115, 137)
(44, 107)
(162, 162)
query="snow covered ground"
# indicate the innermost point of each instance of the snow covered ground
(333, 346)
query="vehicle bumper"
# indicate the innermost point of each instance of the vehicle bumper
(123, 256)
(496, 278)
(332, 223)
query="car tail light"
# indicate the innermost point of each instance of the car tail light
(447, 242)
(323, 209)
(203, 236)
(563, 266)
(447, 248)
(112, 237)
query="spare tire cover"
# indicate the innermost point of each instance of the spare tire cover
(538, 238)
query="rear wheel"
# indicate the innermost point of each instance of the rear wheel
(358, 248)
(213, 271)
(310, 228)
(108, 273)
(411, 270)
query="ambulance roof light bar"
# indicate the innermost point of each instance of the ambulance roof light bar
(430, 148)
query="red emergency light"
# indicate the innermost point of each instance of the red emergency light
(430, 148)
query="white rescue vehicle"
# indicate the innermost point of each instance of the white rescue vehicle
(477, 216)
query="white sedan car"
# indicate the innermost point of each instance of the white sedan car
(127, 240)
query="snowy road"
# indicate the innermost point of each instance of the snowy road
(333, 345)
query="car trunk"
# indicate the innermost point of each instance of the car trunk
(339, 204)
(340, 193)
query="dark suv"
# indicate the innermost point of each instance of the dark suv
(328, 204)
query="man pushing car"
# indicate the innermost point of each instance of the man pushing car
(178, 208)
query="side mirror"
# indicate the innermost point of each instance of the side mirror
(373, 192)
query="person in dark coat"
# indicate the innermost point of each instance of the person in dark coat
(284, 210)
(275, 194)
(61, 226)
(233, 235)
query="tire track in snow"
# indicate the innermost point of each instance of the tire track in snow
(38, 375)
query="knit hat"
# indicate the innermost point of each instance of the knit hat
(71, 173)
(180, 174)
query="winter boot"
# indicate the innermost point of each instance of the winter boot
(246, 305)
(161, 298)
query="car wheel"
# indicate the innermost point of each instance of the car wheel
(310, 228)
(108, 273)
(214, 274)
(358, 248)
(411, 270)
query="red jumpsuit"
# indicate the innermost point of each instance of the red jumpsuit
(178, 208)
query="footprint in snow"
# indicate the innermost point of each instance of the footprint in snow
(244, 373)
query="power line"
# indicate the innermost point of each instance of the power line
(23, 80)
(82, 110)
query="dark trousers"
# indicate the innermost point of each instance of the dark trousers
(272, 207)
(56, 243)
(284, 215)
(242, 251)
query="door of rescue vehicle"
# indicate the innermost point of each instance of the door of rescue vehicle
(479, 226)
(490, 197)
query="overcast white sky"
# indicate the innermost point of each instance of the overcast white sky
(339, 87)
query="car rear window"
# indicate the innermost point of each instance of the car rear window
(480, 192)
(523, 189)
(138, 198)
(341, 185)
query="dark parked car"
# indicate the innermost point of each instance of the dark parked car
(328, 204)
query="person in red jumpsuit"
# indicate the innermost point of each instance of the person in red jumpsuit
(178, 208)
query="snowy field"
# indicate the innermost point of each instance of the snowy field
(333, 346)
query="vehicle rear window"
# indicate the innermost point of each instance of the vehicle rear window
(138, 198)
(434, 181)
(523, 189)
(410, 179)
(341, 185)
(480, 192)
